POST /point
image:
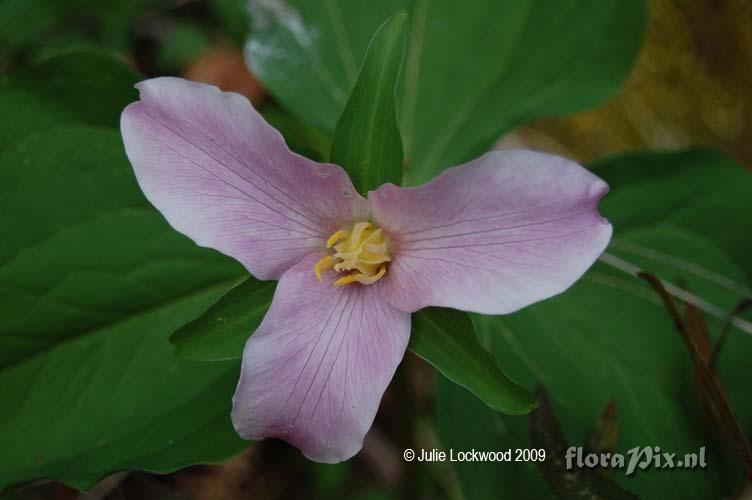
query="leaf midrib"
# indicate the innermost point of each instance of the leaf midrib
(383, 70)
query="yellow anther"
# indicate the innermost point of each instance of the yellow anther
(324, 264)
(367, 280)
(339, 235)
(357, 237)
(362, 251)
(350, 278)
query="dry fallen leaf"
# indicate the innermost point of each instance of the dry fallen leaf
(225, 67)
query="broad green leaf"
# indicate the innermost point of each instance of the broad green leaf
(473, 70)
(92, 282)
(301, 138)
(221, 332)
(79, 87)
(685, 217)
(443, 337)
(446, 339)
(367, 142)
(700, 195)
(607, 338)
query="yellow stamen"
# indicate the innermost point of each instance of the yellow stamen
(362, 251)
(367, 280)
(350, 278)
(324, 264)
(357, 233)
(339, 235)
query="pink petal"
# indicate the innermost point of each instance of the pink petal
(315, 370)
(491, 236)
(221, 175)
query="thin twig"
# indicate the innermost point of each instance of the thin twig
(711, 390)
(739, 309)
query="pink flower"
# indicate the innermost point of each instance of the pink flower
(490, 236)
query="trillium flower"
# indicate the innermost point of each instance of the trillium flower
(490, 236)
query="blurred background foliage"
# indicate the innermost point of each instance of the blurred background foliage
(690, 86)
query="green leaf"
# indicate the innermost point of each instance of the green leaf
(604, 339)
(446, 339)
(221, 332)
(465, 423)
(92, 282)
(443, 337)
(471, 73)
(70, 88)
(698, 195)
(301, 138)
(367, 142)
(685, 217)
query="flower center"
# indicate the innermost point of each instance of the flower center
(361, 251)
